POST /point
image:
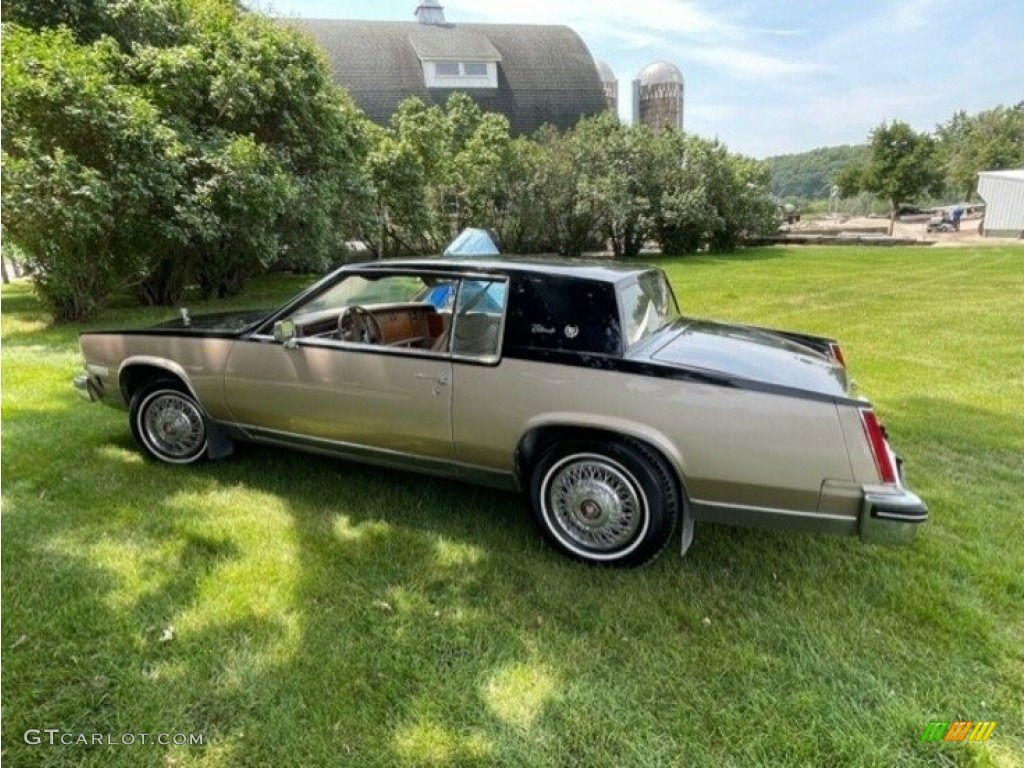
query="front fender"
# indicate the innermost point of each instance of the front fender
(151, 361)
(219, 444)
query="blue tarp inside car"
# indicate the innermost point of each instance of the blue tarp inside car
(469, 244)
(473, 242)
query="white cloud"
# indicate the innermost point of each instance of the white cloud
(671, 18)
(912, 15)
(685, 30)
(821, 117)
(747, 64)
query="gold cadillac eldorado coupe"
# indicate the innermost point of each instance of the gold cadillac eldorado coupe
(578, 383)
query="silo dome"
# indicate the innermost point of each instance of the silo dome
(660, 72)
(610, 86)
(658, 93)
(607, 76)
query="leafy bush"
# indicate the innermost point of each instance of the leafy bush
(192, 144)
(84, 157)
(160, 146)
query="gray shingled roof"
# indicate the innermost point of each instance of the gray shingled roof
(450, 42)
(545, 74)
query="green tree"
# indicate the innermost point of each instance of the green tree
(619, 179)
(194, 145)
(570, 210)
(901, 166)
(85, 18)
(703, 194)
(436, 170)
(810, 175)
(84, 157)
(520, 212)
(398, 184)
(988, 141)
(681, 213)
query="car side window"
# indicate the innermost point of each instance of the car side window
(477, 324)
(394, 310)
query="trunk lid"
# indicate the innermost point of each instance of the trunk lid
(751, 353)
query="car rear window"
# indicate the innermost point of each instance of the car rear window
(647, 306)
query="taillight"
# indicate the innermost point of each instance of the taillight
(879, 448)
(837, 353)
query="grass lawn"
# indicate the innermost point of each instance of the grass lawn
(302, 611)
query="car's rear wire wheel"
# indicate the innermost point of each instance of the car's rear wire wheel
(168, 423)
(605, 502)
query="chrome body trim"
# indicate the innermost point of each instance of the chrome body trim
(382, 457)
(772, 517)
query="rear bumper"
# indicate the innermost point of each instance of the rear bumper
(891, 517)
(86, 388)
(92, 387)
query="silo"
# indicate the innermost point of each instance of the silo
(610, 85)
(658, 96)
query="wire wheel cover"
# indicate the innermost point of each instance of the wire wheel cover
(594, 502)
(173, 425)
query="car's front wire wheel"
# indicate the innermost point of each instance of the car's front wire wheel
(168, 423)
(605, 502)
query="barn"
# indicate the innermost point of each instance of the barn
(532, 74)
(1003, 193)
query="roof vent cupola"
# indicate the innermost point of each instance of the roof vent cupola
(430, 12)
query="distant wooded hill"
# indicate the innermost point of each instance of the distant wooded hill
(810, 175)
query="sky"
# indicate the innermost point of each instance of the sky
(776, 77)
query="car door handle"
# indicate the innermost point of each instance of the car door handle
(442, 380)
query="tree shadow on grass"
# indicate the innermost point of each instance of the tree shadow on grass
(327, 613)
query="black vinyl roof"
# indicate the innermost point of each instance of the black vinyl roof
(585, 269)
(545, 73)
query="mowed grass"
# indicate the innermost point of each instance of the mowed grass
(301, 611)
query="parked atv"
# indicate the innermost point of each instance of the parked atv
(941, 224)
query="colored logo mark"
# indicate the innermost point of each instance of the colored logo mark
(958, 730)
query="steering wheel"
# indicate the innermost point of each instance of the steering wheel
(357, 323)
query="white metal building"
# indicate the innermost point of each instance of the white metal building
(1003, 193)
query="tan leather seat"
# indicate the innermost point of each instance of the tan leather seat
(476, 334)
(441, 342)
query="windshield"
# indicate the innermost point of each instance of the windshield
(358, 289)
(647, 306)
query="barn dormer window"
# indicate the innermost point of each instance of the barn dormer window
(455, 57)
(460, 74)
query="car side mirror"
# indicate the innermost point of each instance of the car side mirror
(284, 333)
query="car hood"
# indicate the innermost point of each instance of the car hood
(750, 353)
(215, 322)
